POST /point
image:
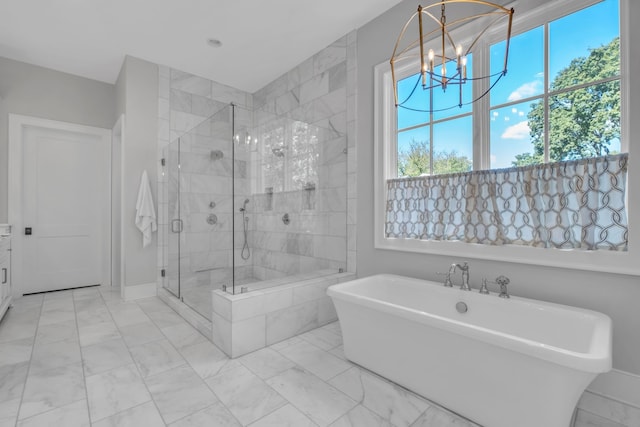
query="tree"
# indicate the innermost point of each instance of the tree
(415, 161)
(582, 122)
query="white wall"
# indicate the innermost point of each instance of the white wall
(615, 295)
(42, 92)
(137, 98)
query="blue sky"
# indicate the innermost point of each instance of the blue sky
(569, 37)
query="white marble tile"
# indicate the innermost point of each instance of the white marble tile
(53, 355)
(587, 419)
(610, 409)
(190, 83)
(140, 333)
(179, 392)
(18, 325)
(390, 401)
(285, 343)
(13, 352)
(261, 303)
(9, 411)
(12, 379)
(94, 333)
(247, 335)
(115, 391)
(435, 416)
(338, 352)
(319, 401)
(266, 362)
(314, 88)
(205, 358)
(57, 332)
(155, 357)
(291, 321)
(126, 314)
(183, 335)
(55, 315)
(215, 415)
(315, 360)
(72, 415)
(146, 415)
(361, 416)
(221, 333)
(322, 338)
(51, 389)
(287, 416)
(244, 394)
(105, 356)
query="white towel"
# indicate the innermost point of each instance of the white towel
(145, 211)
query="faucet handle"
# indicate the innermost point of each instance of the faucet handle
(447, 279)
(483, 289)
(503, 281)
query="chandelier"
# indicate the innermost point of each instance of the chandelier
(447, 67)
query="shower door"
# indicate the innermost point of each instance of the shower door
(199, 211)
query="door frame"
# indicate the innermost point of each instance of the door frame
(17, 125)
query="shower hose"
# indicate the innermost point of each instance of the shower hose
(246, 253)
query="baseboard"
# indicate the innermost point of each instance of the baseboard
(621, 386)
(145, 290)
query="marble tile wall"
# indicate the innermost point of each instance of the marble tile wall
(318, 95)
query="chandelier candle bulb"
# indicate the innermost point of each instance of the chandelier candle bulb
(463, 61)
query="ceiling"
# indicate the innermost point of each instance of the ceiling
(261, 40)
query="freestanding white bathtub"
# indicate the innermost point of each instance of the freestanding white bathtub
(504, 363)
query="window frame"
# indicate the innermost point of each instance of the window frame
(385, 159)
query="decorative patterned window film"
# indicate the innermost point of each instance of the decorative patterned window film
(577, 204)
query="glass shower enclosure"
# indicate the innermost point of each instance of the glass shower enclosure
(252, 200)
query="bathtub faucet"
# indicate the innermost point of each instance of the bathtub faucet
(464, 267)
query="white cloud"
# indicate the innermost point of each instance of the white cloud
(518, 131)
(525, 91)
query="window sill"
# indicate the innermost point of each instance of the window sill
(601, 261)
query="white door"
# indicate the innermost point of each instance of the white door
(66, 210)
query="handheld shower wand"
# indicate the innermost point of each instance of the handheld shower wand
(246, 252)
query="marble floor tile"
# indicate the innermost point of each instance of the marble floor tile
(285, 343)
(316, 399)
(54, 355)
(146, 415)
(179, 392)
(322, 338)
(72, 415)
(245, 394)
(207, 359)
(9, 411)
(338, 352)
(140, 333)
(105, 356)
(214, 415)
(95, 333)
(13, 352)
(315, 360)
(115, 391)
(12, 379)
(125, 314)
(52, 389)
(155, 357)
(363, 417)
(17, 325)
(55, 332)
(94, 315)
(183, 335)
(287, 416)
(266, 362)
(390, 401)
(55, 314)
(90, 306)
(435, 416)
(160, 313)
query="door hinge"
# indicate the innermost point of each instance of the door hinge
(163, 272)
(162, 162)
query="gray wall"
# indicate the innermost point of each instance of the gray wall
(615, 295)
(137, 98)
(41, 92)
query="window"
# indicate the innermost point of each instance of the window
(560, 100)
(563, 98)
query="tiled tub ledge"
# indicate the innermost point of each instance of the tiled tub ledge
(247, 322)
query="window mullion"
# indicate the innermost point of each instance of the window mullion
(481, 116)
(546, 128)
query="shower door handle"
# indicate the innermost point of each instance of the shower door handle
(176, 225)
